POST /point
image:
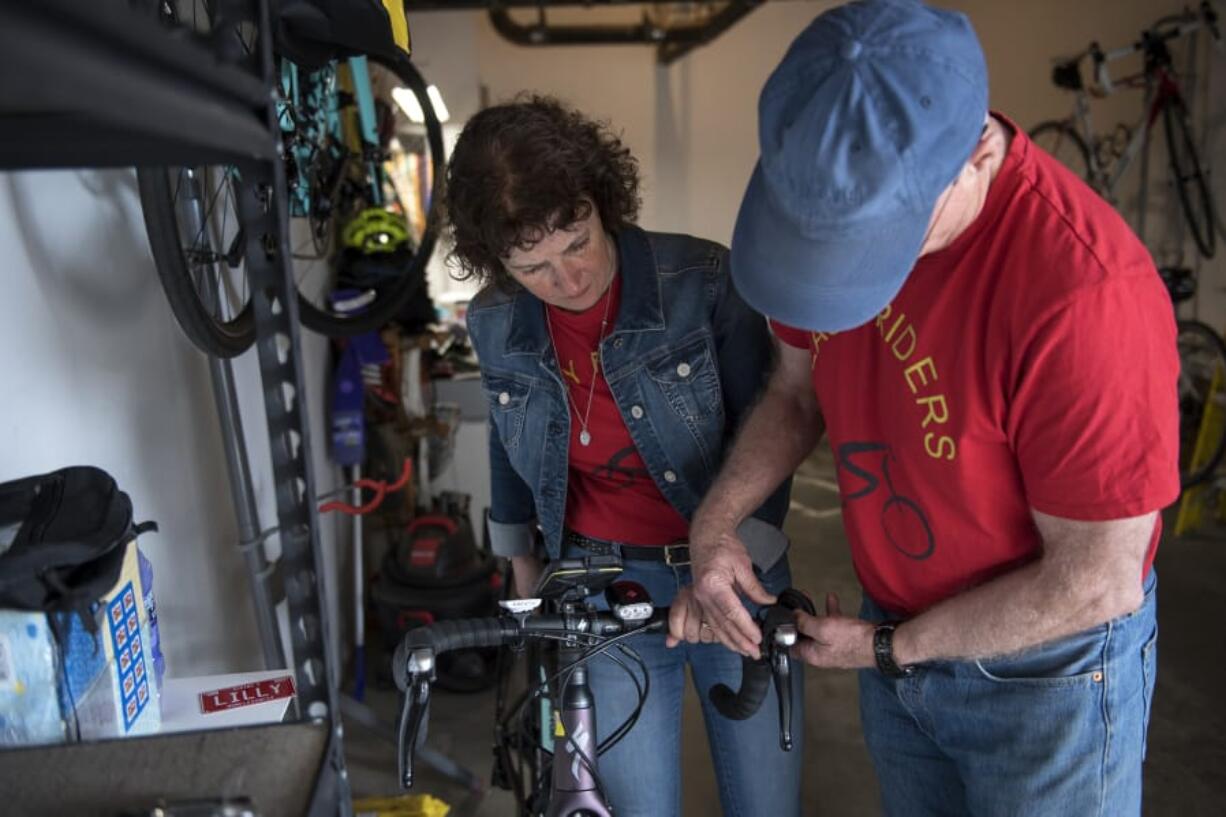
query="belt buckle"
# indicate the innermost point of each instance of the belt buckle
(668, 555)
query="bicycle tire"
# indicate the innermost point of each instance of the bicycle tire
(1194, 382)
(219, 337)
(1064, 142)
(407, 285)
(1186, 168)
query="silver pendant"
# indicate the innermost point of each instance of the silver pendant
(585, 438)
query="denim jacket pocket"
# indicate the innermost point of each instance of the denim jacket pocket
(1076, 660)
(508, 405)
(689, 379)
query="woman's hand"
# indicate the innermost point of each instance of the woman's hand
(525, 572)
(685, 621)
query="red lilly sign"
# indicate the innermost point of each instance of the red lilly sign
(258, 692)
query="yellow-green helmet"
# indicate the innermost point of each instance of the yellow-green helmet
(375, 230)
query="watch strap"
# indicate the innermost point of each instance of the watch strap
(883, 651)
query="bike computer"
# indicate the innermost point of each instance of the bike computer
(576, 579)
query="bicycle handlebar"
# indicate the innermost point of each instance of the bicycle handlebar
(1066, 73)
(446, 636)
(413, 665)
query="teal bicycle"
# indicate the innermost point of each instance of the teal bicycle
(351, 151)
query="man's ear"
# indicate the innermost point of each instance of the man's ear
(989, 147)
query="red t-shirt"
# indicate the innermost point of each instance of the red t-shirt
(1030, 364)
(610, 494)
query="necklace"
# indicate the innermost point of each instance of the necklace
(585, 436)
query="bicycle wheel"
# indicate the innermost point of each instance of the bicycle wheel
(1190, 182)
(389, 298)
(191, 213)
(1202, 389)
(191, 219)
(1065, 145)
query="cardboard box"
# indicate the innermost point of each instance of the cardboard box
(82, 685)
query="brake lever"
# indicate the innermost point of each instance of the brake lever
(413, 711)
(779, 634)
(781, 670)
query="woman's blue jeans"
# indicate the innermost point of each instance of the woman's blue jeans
(1055, 730)
(642, 773)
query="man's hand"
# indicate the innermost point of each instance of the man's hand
(525, 571)
(834, 641)
(722, 569)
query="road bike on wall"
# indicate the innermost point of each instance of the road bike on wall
(1202, 388)
(344, 116)
(1104, 158)
(545, 748)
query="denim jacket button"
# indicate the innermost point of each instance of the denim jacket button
(669, 476)
(617, 343)
(636, 412)
(503, 399)
(683, 370)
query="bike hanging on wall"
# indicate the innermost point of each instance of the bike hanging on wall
(348, 101)
(1103, 158)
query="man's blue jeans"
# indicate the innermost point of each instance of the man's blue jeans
(1056, 730)
(642, 773)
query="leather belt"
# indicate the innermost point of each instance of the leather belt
(677, 555)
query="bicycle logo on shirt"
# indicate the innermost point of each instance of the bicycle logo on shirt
(903, 521)
(616, 472)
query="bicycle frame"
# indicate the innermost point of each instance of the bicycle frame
(317, 92)
(574, 787)
(1106, 177)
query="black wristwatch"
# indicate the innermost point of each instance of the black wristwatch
(883, 651)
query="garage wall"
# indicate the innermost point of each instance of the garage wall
(693, 125)
(95, 371)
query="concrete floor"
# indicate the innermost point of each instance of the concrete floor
(1185, 774)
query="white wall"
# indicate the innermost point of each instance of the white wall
(95, 371)
(693, 125)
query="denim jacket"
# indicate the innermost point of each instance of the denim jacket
(684, 359)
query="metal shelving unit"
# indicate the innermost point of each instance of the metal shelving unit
(103, 85)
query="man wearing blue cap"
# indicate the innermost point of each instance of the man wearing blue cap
(991, 353)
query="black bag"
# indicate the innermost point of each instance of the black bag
(312, 32)
(72, 529)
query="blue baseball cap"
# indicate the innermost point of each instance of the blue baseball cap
(872, 113)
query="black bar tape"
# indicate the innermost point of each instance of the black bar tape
(445, 636)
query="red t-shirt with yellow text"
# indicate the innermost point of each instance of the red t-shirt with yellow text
(610, 494)
(1030, 364)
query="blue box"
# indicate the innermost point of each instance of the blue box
(83, 685)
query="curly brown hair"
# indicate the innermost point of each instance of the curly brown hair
(526, 167)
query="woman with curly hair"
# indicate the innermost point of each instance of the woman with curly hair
(617, 363)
